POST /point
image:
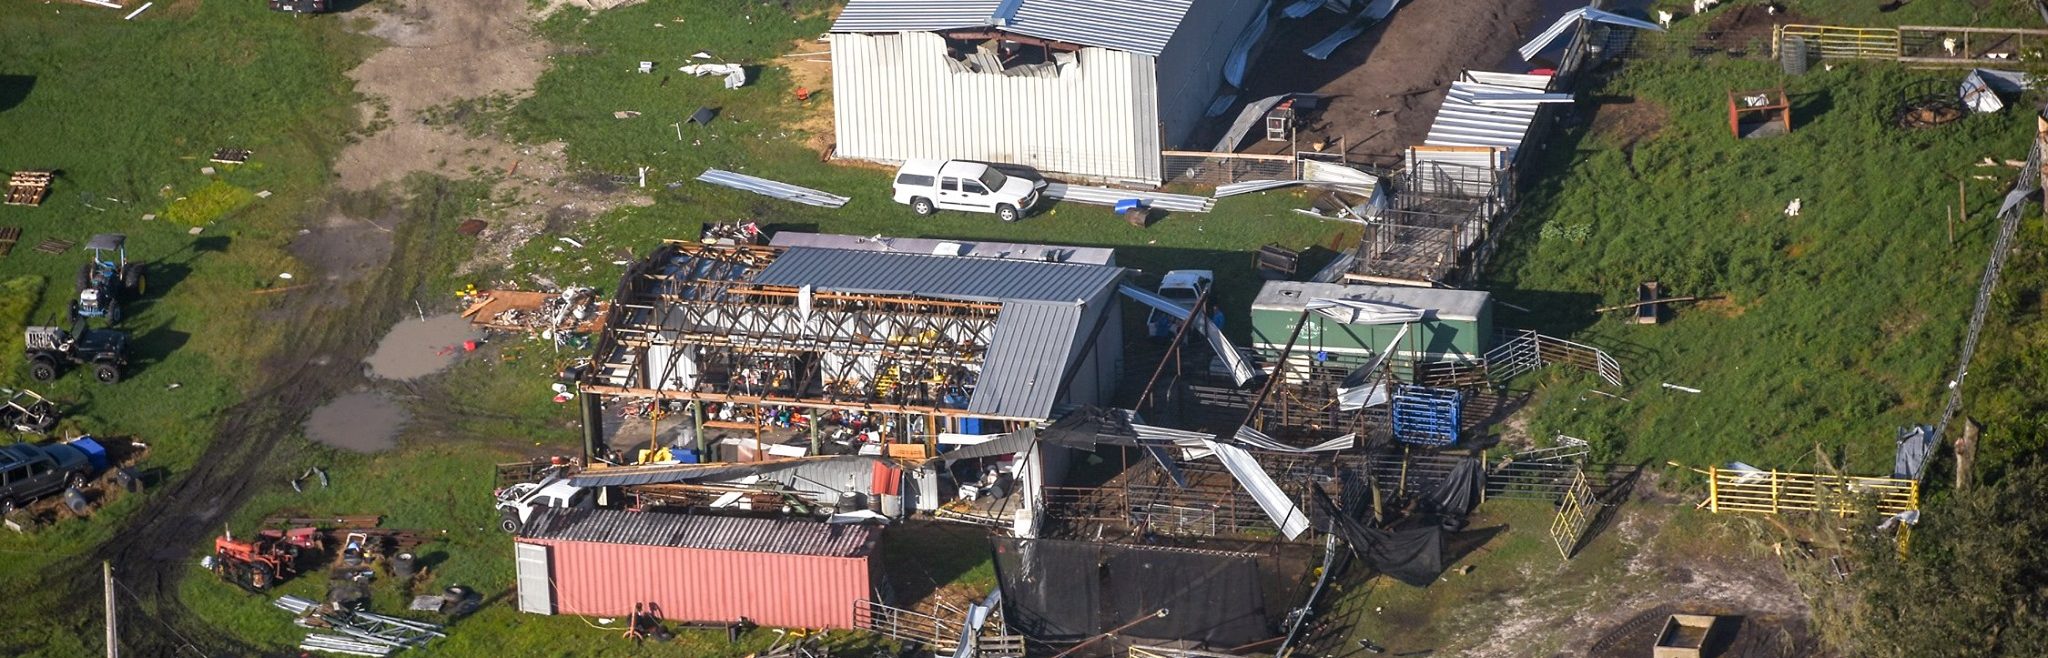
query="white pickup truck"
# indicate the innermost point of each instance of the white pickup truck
(928, 186)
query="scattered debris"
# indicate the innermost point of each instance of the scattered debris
(625, 114)
(55, 246)
(138, 11)
(735, 75)
(765, 187)
(1105, 196)
(8, 236)
(28, 188)
(1675, 387)
(576, 310)
(357, 627)
(207, 171)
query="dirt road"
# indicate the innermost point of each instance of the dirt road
(439, 53)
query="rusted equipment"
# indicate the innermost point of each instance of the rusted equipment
(259, 562)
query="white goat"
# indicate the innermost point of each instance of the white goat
(1664, 19)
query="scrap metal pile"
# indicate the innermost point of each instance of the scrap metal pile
(572, 311)
(356, 633)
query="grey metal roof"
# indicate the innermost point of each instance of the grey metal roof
(1020, 373)
(1139, 26)
(944, 277)
(914, 15)
(1448, 303)
(1462, 121)
(970, 248)
(718, 533)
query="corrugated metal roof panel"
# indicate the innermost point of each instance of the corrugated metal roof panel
(1465, 119)
(1448, 303)
(944, 277)
(1139, 26)
(1020, 374)
(717, 533)
(914, 15)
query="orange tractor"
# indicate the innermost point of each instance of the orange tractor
(258, 563)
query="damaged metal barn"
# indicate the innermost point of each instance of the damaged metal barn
(758, 353)
(1082, 87)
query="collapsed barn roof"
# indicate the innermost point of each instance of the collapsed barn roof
(1139, 26)
(986, 337)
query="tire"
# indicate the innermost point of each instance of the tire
(1008, 213)
(84, 277)
(76, 480)
(923, 207)
(107, 373)
(41, 369)
(44, 423)
(114, 313)
(131, 277)
(6, 508)
(509, 523)
(259, 577)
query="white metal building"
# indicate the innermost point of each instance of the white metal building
(1093, 88)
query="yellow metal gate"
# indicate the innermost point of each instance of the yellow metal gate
(1575, 513)
(1836, 42)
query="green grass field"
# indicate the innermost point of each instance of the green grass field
(1831, 328)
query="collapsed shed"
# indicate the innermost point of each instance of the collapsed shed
(697, 568)
(810, 350)
(1074, 86)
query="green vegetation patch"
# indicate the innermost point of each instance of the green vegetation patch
(208, 203)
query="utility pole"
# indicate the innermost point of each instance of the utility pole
(113, 622)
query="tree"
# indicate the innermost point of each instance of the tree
(1975, 583)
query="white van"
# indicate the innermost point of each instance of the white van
(929, 186)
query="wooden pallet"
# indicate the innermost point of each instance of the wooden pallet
(230, 156)
(8, 236)
(27, 188)
(55, 246)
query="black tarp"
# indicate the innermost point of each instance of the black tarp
(1414, 556)
(1458, 493)
(1065, 591)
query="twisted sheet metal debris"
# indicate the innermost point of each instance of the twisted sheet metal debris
(779, 190)
(1105, 196)
(1572, 18)
(1240, 370)
(1290, 519)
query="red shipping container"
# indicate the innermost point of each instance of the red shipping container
(695, 568)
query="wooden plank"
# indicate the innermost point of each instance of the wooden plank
(8, 236)
(55, 246)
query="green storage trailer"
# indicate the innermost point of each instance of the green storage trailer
(1456, 325)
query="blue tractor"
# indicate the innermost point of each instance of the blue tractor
(106, 279)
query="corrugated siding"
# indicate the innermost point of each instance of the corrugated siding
(914, 15)
(898, 98)
(697, 585)
(721, 533)
(947, 277)
(1191, 67)
(1020, 375)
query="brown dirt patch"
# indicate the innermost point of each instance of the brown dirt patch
(484, 48)
(1724, 305)
(1383, 88)
(809, 63)
(1625, 124)
(1798, 249)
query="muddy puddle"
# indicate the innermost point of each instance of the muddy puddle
(416, 348)
(362, 422)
